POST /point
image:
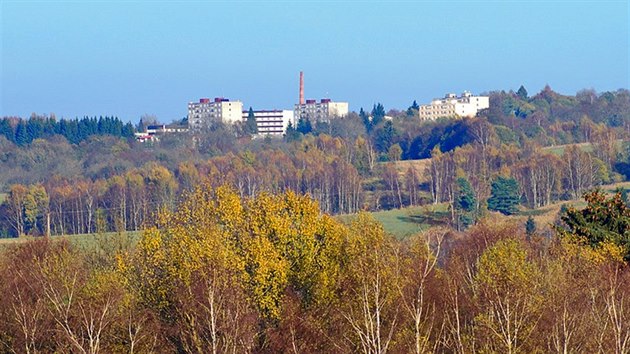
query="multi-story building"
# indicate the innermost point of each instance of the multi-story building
(153, 132)
(203, 113)
(323, 110)
(274, 122)
(452, 106)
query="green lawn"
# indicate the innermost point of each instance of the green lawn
(559, 150)
(405, 222)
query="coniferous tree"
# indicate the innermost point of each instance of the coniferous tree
(603, 221)
(504, 195)
(291, 134)
(465, 203)
(365, 119)
(413, 109)
(7, 130)
(21, 134)
(304, 126)
(250, 125)
(378, 114)
(522, 93)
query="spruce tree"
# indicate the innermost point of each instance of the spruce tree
(530, 226)
(504, 196)
(465, 203)
(250, 125)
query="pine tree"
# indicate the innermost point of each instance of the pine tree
(304, 126)
(504, 196)
(21, 135)
(603, 221)
(378, 114)
(7, 130)
(413, 109)
(291, 134)
(522, 93)
(465, 203)
(250, 125)
(530, 226)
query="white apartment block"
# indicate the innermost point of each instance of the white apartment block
(452, 106)
(323, 110)
(203, 113)
(274, 122)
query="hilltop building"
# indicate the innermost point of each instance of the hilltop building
(273, 122)
(153, 132)
(452, 106)
(203, 113)
(321, 111)
(315, 111)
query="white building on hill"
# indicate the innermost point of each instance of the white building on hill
(273, 122)
(203, 113)
(452, 106)
(323, 110)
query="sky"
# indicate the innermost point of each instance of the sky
(135, 58)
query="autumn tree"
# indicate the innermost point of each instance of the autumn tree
(509, 298)
(371, 288)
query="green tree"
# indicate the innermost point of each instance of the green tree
(291, 134)
(465, 203)
(522, 93)
(304, 126)
(21, 134)
(378, 114)
(530, 226)
(413, 109)
(250, 125)
(604, 221)
(504, 195)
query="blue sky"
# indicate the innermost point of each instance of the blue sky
(78, 58)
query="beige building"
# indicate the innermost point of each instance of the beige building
(323, 110)
(274, 122)
(203, 113)
(452, 106)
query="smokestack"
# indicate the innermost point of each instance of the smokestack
(301, 87)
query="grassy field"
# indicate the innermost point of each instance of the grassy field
(587, 147)
(405, 222)
(89, 242)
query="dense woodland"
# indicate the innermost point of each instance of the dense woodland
(240, 251)
(89, 175)
(272, 274)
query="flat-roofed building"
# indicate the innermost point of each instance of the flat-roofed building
(205, 112)
(324, 110)
(452, 106)
(271, 122)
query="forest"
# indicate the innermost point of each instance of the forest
(271, 274)
(230, 243)
(95, 178)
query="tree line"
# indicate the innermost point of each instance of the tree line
(344, 177)
(271, 273)
(23, 132)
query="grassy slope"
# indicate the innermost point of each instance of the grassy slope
(85, 241)
(405, 222)
(587, 147)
